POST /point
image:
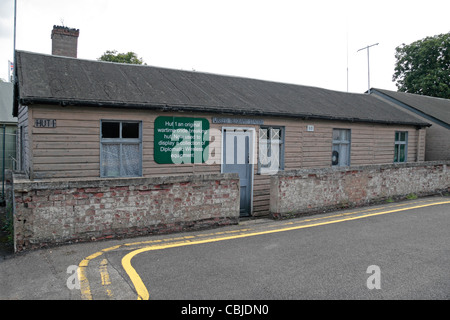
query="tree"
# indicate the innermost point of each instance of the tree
(423, 67)
(129, 57)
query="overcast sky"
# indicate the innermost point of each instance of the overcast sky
(302, 42)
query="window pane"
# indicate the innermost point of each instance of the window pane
(263, 133)
(403, 136)
(396, 153)
(402, 153)
(347, 135)
(110, 130)
(341, 134)
(270, 149)
(110, 160)
(263, 151)
(344, 155)
(275, 134)
(335, 155)
(335, 134)
(130, 130)
(131, 160)
(274, 156)
(340, 154)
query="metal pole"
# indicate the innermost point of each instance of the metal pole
(14, 45)
(368, 71)
(347, 55)
(368, 63)
(15, 10)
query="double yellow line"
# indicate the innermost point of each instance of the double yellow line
(82, 273)
(141, 290)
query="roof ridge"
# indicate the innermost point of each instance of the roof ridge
(410, 93)
(62, 80)
(190, 71)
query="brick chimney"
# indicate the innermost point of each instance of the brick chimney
(65, 41)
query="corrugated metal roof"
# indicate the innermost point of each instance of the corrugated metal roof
(68, 81)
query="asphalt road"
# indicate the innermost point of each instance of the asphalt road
(323, 256)
(411, 249)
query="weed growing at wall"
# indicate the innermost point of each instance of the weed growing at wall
(7, 226)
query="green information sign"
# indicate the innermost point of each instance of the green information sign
(181, 140)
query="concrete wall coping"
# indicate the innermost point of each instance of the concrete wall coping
(300, 172)
(23, 184)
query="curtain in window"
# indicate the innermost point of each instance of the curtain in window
(270, 149)
(130, 160)
(110, 160)
(340, 155)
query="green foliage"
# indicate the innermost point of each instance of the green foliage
(423, 67)
(113, 56)
(7, 226)
(411, 196)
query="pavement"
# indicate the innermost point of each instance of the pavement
(50, 273)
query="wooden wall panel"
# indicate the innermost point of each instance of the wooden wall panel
(72, 149)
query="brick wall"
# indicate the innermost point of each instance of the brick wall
(49, 212)
(300, 191)
(65, 41)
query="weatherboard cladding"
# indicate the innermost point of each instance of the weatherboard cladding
(47, 79)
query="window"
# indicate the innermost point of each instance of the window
(340, 154)
(271, 149)
(401, 143)
(121, 149)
